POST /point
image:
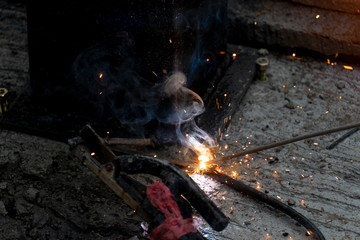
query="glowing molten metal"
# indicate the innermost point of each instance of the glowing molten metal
(204, 157)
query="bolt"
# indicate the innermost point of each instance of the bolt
(3, 100)
(262, 64)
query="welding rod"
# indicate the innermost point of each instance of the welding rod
(284, 142)
(130, 141)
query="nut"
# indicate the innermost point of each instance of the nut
(262, 63)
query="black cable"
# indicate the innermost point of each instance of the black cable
(245, 189)
(342, 138)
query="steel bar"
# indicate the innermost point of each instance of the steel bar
(281, 143)
(130, 141)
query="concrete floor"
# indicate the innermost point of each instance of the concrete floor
(301, 95)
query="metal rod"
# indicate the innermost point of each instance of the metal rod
(284, 142)
(130, 141)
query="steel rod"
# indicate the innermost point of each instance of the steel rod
(284, 142)
(130, 141)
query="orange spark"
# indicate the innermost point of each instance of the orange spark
(233, 56)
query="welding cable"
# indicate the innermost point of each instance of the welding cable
(342, 138)
(247, 190)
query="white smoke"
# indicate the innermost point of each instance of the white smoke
(187, 105)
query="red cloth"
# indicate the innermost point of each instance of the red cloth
(174, 225)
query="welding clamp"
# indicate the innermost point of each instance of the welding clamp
(118, 173)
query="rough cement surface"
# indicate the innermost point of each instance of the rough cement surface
(285, 24)
(46, 194)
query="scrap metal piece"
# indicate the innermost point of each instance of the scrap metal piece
(3, 100)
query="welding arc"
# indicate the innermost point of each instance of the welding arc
(284, 142)
(247, 190)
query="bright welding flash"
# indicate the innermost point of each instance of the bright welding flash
(203, 160)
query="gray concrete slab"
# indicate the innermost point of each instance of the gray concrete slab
(286, 24)
(301, 95)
